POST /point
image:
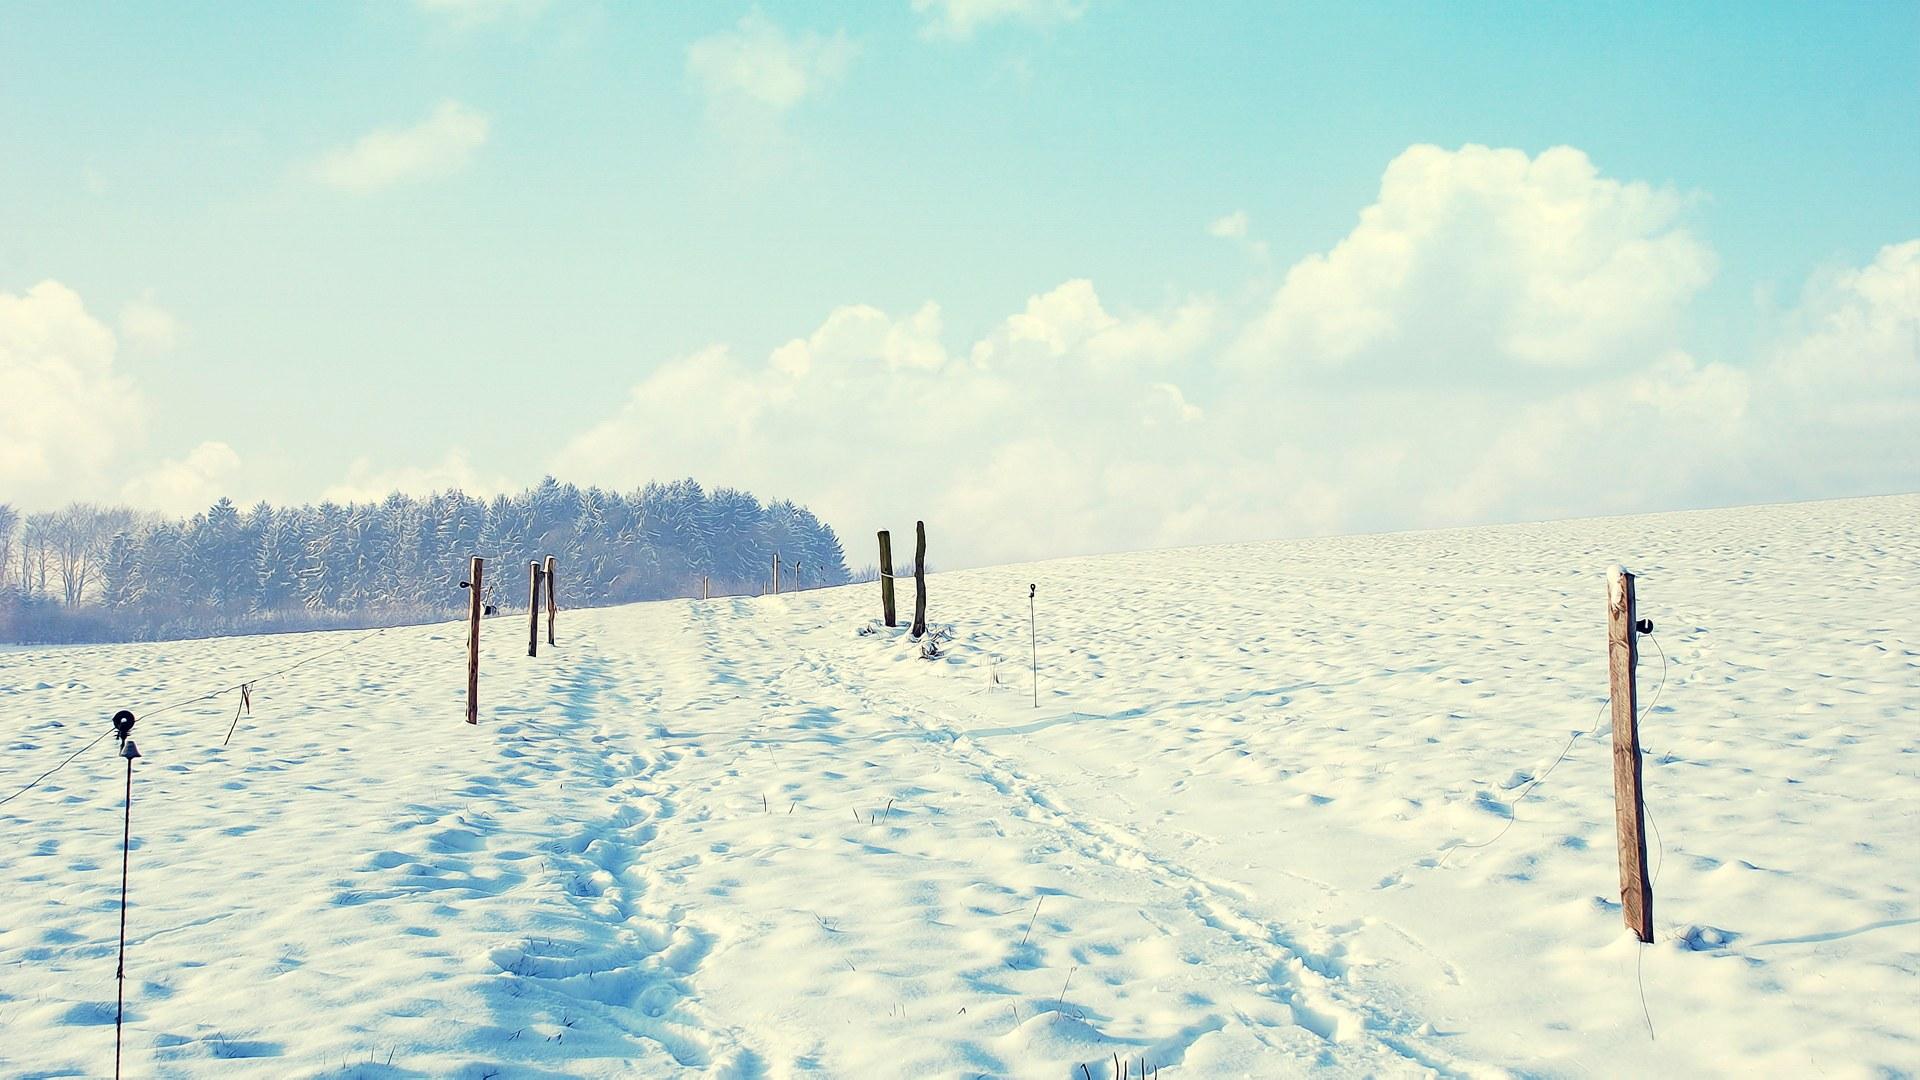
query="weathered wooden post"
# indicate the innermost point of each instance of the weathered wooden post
(1629, 811)
(776, 573)
(919, 578)
(533, 608)
(706, 587)
(553, 604)
(473, 638)
(886, 577)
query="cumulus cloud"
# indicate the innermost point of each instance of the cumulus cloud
(437, 146)
(1071, 319)
(1237, 228)
(1078, 421)
(872, 417)
(1830, 407)
(960, 19)
(145, 324)
(369, 482)
(186, 484)
(1074, 424)
(1841, 384)
(65, 412)
(1663, 436)
(1230, 227)
(1478, 257)
(757, 67)
(861, 333)
(1856, 329)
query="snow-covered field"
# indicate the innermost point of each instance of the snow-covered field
(739, 838)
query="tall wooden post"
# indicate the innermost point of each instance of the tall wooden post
(473, 638)
(886, 577)
(533, 608)
(706, 587)
(919, 578)
(776, 573)
(1629, 811)
(553, 604)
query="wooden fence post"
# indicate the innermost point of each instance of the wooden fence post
(533, 608)
(1629, 811)
(706, 587)
(553, 604)
(473, 638)
(886, 577)
(776, 573)
(919, 578)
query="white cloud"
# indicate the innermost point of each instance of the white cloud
(145, 324)
(437, 146)
(65, 412)
(1481, 257)
(1857, 329)
(1662, 436)
(367, 482)
(862, 333)
(960, 19)
(1070, 318)
(1237, 228)
(1231, 227)
(188, 484)
(1072, 425)
(1841, 386)
(758, 67)
(1831, 407)
(871, 417)
(1078, 422)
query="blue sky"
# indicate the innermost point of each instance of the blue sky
(299, 251)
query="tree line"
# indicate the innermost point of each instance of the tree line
(101, 573)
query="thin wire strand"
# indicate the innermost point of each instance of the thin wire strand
(1660, 857)
(1639, 958)
(1513, 807)
(63, 764)
(209, 696)
(295, 666)
(1660, 848)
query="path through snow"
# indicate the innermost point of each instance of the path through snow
(738, 838)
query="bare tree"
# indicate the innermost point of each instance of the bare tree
(9, 524)
(36, 540)
(73, 550)
(79, 538)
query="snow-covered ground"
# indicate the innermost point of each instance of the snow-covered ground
(739, 838)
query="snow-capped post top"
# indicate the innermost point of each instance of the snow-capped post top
(1616, 584)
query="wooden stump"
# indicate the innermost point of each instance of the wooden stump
(1629, 811)
(533, 608)
(553, 603)
(919, 578)
(886, 578)
(474, 573)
